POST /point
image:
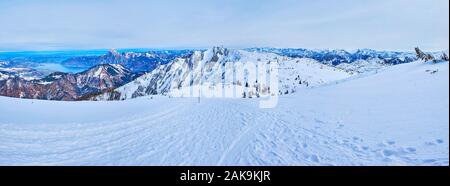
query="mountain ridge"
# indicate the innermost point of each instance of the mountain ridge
(135, 61)
(67, 86)
(338, 56)
(183, 73)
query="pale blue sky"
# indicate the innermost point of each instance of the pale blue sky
(346, 24)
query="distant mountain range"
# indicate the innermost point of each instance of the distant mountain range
(66, 86)
(124, 75)
(183, 73)
(336, 57)
(134, 61)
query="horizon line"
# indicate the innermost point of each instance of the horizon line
(202, 48)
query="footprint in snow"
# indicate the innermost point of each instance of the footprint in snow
(304, 145)
(391, 142)
(388, 153)
(429, 161)
(440, 141)
(411, 149)
(313, 158)
(357, 139)
(319, 121)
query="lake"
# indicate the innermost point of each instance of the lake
(58, 68)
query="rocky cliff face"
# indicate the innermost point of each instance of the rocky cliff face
(65, 86)
(18, 87)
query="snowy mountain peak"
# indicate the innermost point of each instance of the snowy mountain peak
(211, 55)
(219, 50)
(184, 73)
(105, 70)
(113, 52)
(365, 51)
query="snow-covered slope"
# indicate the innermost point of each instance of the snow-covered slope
(24, 73)
(398, 116)
(208, 68)
(363, 66)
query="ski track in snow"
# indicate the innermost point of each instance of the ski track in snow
(181, 131)
(247, 138)
(145, 140)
